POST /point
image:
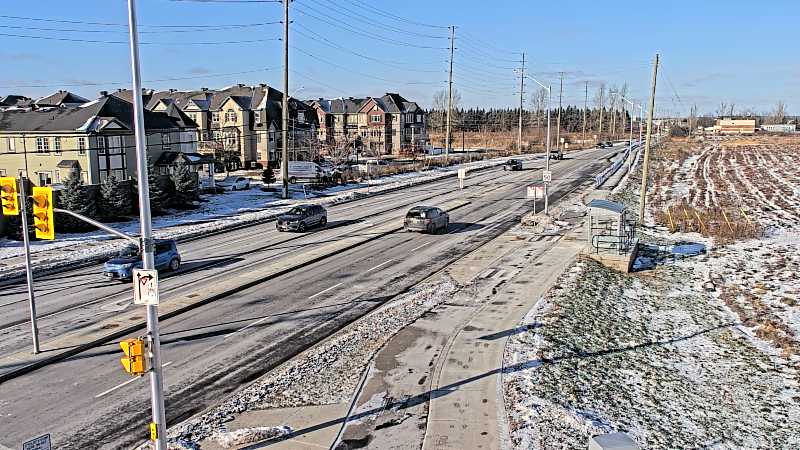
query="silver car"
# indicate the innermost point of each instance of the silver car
(428, 219)
(302, 217)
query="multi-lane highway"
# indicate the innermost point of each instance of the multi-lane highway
(281, 293)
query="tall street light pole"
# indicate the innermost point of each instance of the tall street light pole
(521, 94)
(547, 147)
(156, 379)
(285, 104)
(630, 135)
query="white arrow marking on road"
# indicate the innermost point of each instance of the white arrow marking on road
(121, 385)
(380, 265)
(326, 290)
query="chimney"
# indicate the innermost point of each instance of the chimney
(204, 89)
(241, 85)
(120, 90)
(263, 85)
(103, 93)
(172, 90)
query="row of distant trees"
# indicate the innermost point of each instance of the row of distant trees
(605, 102)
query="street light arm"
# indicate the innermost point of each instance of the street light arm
(547, 88)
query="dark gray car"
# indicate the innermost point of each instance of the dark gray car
(429, 219)
(512, 164)
(302, 217)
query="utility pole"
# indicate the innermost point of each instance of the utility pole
(449, 93)
(613, 130)
(521, 91)
(558, 123)
(645, 166)
(285, 105)
(159, 423)
(602, 110)
(547, 151)
(585, 103)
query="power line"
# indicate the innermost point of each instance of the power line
(182, 30)
(350, 12)
(388, 40)
(393, 16)
(104, 83)
(124, 25)
(93, 41)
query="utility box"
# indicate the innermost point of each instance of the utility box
(613, 441)
(611, 235)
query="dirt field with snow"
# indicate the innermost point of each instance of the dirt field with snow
(697, 350)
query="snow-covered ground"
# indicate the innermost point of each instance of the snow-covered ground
(216, 213)
(698, 350)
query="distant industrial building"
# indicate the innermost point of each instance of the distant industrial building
(779, 128)
(734, 126)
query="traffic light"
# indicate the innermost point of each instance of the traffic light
(134, 360)
(10, 199)
(43, 213)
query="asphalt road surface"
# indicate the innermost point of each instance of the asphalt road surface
(87, 401)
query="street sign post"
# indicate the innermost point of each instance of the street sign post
(462, 174)
(145, 287)
(547, 176)
(535, 191)
(39, 443)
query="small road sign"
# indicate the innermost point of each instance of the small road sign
(547, 176)
(462, 173)
(39, 443)
(535, 191)
(145, 287)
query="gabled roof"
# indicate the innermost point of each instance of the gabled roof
(15, 100)
(182, 119)
(59, 99)
(169, 158)
(93, 115)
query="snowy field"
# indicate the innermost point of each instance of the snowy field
(699, 349)
(216, 212)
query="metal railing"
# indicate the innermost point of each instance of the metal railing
(613, 242)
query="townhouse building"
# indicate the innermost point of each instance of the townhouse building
(94, 140)
(240, 125)
(387, 125)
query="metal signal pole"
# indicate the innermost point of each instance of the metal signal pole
(449, 93)
(558, 123)
(23, 202)
(585, 103)
(646, 163)
(521, 91)
(156, 378)
(285, 105)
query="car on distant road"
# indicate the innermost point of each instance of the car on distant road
(512, 164)
(121, 267)
(556, 153)
(234, 183)
(428, 219)
(601, 145)
(609, 144)
(302, 217)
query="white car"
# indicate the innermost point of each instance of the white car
(235, 183)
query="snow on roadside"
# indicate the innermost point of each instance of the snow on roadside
(325, 374)
(648, 356)
(220, 212)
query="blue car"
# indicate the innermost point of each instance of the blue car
(121, 266)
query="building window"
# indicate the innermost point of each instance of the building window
(230, 140)
(258, 138)
(81, 145)
(57, 176)
(375, 118)
(193, 116)
(111, 158)
(165, 141)
(42, 145)
(230, 116)
(257, 116)
(410, 117)
(2, 172)
(215, 116)
(216, 135)
(12, 145)
(301, 116)
(419, 118)
(57, 145)
(45, 178)
(272, 136)
(85, 176)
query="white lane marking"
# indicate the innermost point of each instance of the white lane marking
(488, 272)
(246, 327)
(499, 274)
(121, 385)
(326, 290)
(423, 245)
(379, 265)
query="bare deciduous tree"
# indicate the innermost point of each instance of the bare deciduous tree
(538, 103)
(778, 114)
(600, 103)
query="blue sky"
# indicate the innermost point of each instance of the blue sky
(713, 51)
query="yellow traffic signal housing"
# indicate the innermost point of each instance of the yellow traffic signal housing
(10, 198)
(134, 360)
(43, 213)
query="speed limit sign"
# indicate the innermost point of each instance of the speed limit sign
(547, 176)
